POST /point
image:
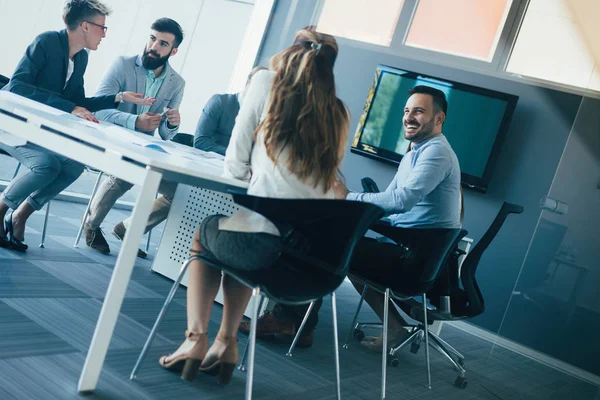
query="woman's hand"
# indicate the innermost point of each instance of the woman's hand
(83, 113)
(138, 98)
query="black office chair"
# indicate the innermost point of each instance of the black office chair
(184, 138)
(455, 295)
(319, 237)
(369, 185)
(431, 249)
(4, 81)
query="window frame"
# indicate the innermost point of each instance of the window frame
(495, 68)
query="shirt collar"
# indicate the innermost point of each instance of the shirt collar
(418, 146)
(150, 73)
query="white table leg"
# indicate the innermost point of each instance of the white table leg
(118, 284)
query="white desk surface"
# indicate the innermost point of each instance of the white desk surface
(124, 143)
(122, 153)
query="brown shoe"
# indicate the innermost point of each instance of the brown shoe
(119, 232)
(269, 325)
(305, 340)
(95, 239)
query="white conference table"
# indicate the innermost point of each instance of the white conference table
(127, 155)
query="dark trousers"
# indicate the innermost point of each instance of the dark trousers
(296, 314)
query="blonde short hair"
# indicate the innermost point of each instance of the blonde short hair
(77, 11)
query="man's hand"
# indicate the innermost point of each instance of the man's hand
(83, 113)
(147, 121)
(340, 191)
(138, 98)
(173, 118)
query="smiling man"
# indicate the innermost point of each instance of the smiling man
(425, 193)
(149, 73)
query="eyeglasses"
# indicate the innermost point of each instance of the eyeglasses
(104, 28)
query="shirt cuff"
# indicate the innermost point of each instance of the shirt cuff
(130, 123)
(171, 129)
(354, 196)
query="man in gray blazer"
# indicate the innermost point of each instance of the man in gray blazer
(151, 74)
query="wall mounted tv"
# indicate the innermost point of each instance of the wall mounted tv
(475, 126)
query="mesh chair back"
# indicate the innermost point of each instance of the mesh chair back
(426, 250)
(319, 233)
(3, 81)
(475, 299)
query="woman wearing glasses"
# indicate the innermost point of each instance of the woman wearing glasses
(51, 72)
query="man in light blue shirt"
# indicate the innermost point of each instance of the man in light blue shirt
(425, 193)
(152, 73)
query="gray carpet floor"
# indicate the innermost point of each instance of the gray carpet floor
(50, 299)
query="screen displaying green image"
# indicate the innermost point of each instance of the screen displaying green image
(474, 120)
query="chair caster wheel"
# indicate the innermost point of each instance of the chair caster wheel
(393, 361)
(461, 382)
(414, 348)
(359, 335)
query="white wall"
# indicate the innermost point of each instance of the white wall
(214, 33)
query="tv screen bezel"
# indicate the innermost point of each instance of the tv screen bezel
(386, 156)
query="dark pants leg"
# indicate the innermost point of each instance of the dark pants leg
(296, 314)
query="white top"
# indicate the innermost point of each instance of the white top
(246, 159)
(69, 72)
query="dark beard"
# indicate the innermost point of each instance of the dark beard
(153, 63)
(426, 130)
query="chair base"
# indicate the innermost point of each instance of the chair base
(415, 340)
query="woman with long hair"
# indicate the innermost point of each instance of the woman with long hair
(288, 141)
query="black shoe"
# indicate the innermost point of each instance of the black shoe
(95, 239)
(13, 243)
(119, 232)
(4, 243)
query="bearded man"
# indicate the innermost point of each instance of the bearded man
(149, 73)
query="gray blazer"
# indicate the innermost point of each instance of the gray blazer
(127, 74)
(216, 123)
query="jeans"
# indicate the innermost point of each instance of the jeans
(113, 188)
(49, 174)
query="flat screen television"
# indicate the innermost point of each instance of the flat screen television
(475, 125)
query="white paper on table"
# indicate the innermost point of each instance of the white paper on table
(136, 138)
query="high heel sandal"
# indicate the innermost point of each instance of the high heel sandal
(223, 365)
(196, 355)
(13, 243)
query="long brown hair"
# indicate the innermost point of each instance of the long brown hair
(304, 115)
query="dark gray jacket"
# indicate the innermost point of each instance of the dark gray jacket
(216, 123)
(42, 72)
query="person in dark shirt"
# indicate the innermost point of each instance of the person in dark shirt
(51, 72)
(218, 118)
